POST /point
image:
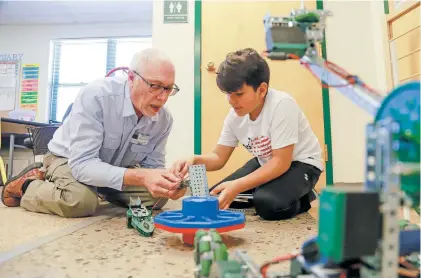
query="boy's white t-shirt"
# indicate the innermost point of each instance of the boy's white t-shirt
(280, 123)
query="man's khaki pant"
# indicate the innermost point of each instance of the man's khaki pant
(63, 195)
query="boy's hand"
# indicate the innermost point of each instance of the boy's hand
(181, 167)
(228, 192)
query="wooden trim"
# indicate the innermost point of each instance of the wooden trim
(403, 34)
(408, 54)
(404, 10)
(410, 77)
(391, 16)
(387, 57)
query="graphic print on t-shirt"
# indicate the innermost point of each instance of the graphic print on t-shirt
(259, 146)
(280, 123)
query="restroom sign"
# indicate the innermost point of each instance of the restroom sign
(175, 11)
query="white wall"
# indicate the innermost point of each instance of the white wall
(34, 43)
(354, 42)
(177, 40)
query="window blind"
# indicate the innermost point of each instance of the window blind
(76, 62)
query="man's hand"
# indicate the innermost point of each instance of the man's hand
(176, 193)
(158, 182)
(161, 183)
(228, 192)
(181, 167)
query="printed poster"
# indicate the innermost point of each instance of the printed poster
(29, 88)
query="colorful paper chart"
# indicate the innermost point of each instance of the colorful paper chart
(29, 88)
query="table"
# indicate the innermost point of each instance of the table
(16, 129)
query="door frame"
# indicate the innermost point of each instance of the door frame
(198, 93)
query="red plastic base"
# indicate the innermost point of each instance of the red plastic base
(189, 233)
(188, 239)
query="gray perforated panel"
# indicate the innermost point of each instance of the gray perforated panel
(198, 180)
(247, 211)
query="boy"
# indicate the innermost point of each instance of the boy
(287, 159)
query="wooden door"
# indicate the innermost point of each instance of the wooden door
(228, 26)
(402, 40)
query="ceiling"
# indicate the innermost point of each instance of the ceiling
(74, 12)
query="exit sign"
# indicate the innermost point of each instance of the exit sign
(175, 11)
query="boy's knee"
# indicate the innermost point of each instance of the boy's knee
(272, 208)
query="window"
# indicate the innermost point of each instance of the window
(76, 62)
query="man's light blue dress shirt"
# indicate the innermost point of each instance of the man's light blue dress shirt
(102, 136)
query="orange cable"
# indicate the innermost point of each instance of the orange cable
(264, 267)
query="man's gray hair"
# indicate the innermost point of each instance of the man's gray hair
(143, 57)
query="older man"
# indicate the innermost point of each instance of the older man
(112, 144)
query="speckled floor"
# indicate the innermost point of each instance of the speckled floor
(19, 227)
(107, 248)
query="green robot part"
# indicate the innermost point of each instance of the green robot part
(140, 218)
(310, 17)
(295, 34)
(209, 250)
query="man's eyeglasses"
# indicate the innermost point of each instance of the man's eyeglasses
(158, 89)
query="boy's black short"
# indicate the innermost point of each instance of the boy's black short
(284, 197)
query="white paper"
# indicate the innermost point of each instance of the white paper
(8, 86)
(7, 99)
(7, 81)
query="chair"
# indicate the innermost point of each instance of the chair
(39, 137)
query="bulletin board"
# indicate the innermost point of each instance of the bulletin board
(9, 84)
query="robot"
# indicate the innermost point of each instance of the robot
(199, 212)
(140, 218)
(359, 234)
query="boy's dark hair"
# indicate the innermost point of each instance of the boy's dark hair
(241, 67)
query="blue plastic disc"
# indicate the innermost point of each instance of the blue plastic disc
(201, 213)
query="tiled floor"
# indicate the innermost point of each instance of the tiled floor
(37, 245)
(19, 227)
(106, 248)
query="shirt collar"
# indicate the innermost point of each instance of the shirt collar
(128, 105)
